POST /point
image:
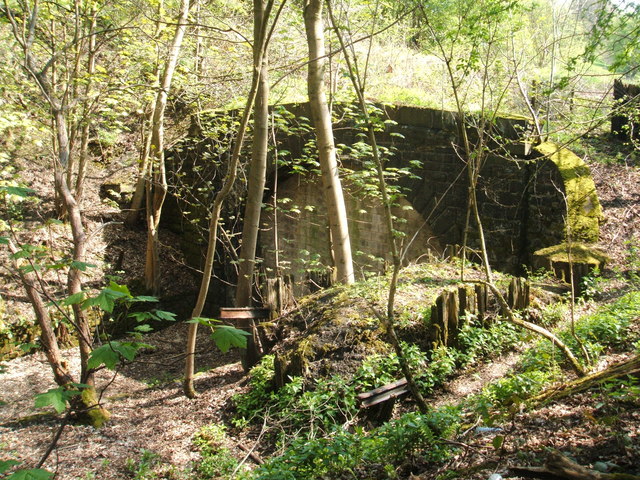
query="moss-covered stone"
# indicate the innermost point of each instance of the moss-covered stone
(575, 260)
(575, 253)
(583, 207)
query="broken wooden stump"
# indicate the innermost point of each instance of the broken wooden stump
(519, 291)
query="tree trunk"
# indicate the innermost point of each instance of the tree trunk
(230, 179)
(48, 337)
(141, 182)
(334, 199)
(84, 136)
(214, 220)
(157, 186)
(257, 170)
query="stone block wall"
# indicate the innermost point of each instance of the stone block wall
(525, 197)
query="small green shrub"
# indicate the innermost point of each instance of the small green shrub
(592, 285)
(143, 467)
(553, 314)
(633, 261)
(477, 340)
(517, 388)
(251, 404)
(310, 408)
(431, 369)
(625, 390)
(608, 327)
(376, 454)
(217, 460)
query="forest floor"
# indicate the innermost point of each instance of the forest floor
(153, 423)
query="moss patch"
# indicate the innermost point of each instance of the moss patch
(584, 209)
(333, 331)
(579, 253)
(95, 415)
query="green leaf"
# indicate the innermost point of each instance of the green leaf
(31, 474)
(144, 328)
(30, 268)
(4, 240)
(20, 254)
(82, 266)
(497, 441)
(107, 297)
(141, 316)
(18, 191)
(112, 353)
(121, 289)
(167, 316)
(227, 336)
(206, 322)
(105, 355)
(73, 299)
(144, 298)
(56, 397)
(27, 347)
(7, 464)
(104, 301)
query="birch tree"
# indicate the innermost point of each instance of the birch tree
(321, 117)
(156, 190)
(258, 166)
(260, 45)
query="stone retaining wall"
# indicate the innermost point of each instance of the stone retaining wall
(525, 196)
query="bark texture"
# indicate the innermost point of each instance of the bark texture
(321, 117)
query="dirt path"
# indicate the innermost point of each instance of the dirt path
(149, 411)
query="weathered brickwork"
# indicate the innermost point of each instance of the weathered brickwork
(524, 199)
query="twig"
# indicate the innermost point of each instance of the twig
(250, 453)
(54, 441)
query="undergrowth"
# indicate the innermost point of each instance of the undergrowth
(610, 328)
(321, 417)
(376, 454)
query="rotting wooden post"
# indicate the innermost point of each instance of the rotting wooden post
(435, 332)
(465, 300)
(518, 297)
(512, 296)
(278, 294)
(441, 320)
(453, 312)
(245, 319)
(272, 294)
(482, 300)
